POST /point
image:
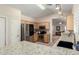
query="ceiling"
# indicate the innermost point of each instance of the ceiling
(32, 10)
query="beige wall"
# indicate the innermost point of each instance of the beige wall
(70, 23)
(76, 20)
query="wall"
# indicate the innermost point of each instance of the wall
(13, 18)
(76, 20)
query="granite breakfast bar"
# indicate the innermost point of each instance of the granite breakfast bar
(27, 48)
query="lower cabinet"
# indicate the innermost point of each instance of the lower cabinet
(46, 38)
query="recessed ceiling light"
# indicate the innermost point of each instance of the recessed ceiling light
(57, 8)
(60, 22)
(41, 6)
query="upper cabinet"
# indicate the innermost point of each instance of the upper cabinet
(70, 24)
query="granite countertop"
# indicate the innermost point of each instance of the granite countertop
(28, 48)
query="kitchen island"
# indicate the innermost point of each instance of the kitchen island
(28, 48)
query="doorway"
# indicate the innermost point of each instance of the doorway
(59, 26)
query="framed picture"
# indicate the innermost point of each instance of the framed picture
(57, 28)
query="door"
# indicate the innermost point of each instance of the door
(2, 32)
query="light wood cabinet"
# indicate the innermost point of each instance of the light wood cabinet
(35, 37)
(44, 24)
(37, 24)
(46, 38)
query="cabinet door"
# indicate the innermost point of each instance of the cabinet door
(2, 32)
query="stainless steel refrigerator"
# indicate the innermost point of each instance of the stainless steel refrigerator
(27, 30)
